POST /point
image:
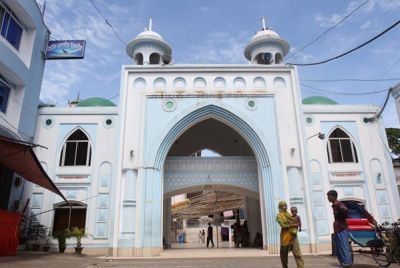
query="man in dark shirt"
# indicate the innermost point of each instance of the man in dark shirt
(341, 236)
(210, 235)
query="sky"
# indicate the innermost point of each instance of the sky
(217, 31)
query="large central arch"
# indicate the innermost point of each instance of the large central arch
(151, 236)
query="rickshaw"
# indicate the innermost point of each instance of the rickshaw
(369, 236)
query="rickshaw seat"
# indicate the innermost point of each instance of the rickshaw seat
(361, 232)
(359, 225)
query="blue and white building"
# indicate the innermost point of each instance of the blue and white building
(23, 40)
(120, 165)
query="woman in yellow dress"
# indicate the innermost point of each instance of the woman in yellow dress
(289, 241)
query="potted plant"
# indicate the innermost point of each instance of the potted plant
(61, 237)
(78, 233)
(36, 232)
(46, 246)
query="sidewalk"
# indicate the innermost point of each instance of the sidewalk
(196, 258)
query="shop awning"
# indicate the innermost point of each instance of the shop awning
(19, 157)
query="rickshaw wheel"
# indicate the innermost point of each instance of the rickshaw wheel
(381, 257)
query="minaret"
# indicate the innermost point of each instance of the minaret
(266, 47)
(149, 48)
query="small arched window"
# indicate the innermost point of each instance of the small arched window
(341, 148)
(155, 58)
(139, 59)
(76, 150)
(278, 58)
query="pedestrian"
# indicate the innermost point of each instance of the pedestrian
(296, 217)
(245, 235)
(199, 237)
(210, 235)
(289, 241)
(203, 236)
(236, 233)
(341, 234)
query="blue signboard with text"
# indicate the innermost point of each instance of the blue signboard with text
(65, 49)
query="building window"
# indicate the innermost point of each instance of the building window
(341, 148)
(76, 150)
(4, 94)
(69, 216)
(10, 28)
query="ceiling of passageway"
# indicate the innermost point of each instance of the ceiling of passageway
(213, 135)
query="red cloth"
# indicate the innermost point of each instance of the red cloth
(9, 232)
(359, 225)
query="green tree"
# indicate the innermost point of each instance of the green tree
(393, 135)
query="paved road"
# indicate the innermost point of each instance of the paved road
(33, 260)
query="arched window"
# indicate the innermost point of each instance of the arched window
(72, 215)
(155, 58)
(341, 148)
(76, 150)
(278, 58)
(265, 58)
(139, 59)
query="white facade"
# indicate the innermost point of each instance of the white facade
(252, 115)
(21, 73)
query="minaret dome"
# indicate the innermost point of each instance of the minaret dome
(266, 47)
(149, 48)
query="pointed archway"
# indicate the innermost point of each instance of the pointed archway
(149, 235)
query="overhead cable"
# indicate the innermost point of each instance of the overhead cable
(328, 30)
(350, 80)
(344, 93)
(378, 114)
(107, 22)
(351, 50)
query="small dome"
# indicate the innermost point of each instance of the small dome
(96, 102)
(149, 48)
(319, 100)
(149, 35)
(266, 41)
(266, 33)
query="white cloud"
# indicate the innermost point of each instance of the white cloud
(325, 21)
(366, 25)
(219, 47)
(80, 20)
(295, 56)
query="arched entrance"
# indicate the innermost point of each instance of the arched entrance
(149, 235)
(225, 187)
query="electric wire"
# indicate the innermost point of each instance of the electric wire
(378, 114)
(344, 93)
(113, 97)
(349, 51)
(107, 22)
(329, 29)
(18, 130)
(350, 80)
(387, 149)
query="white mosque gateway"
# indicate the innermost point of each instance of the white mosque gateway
(120, 165)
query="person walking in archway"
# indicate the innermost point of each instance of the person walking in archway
(289, 241)
(210, 235)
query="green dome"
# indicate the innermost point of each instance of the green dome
(319, 100)
(95, 102)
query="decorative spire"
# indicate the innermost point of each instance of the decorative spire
(263, 23)
(150, 24)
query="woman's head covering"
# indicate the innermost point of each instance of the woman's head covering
(281, 204)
